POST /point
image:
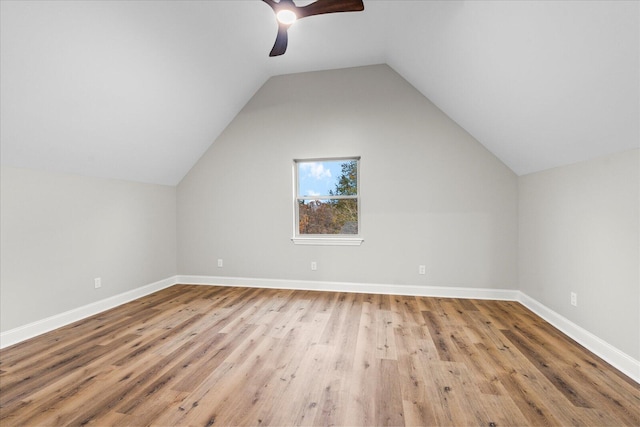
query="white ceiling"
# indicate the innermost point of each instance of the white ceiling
(138, 90)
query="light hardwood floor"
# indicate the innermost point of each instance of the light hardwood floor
(202, 356)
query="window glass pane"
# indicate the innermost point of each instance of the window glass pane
(328, 178)
(328, 216)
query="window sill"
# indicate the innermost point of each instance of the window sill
(328, 241)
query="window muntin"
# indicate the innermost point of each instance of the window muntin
(327, 198)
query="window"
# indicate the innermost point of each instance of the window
(327, 201)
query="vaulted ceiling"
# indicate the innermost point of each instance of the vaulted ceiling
(138, 90)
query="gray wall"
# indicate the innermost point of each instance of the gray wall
(579, 232)
(60, 231)
(431, 194)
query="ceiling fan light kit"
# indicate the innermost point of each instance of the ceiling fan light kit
(287, 13)
(286, 17)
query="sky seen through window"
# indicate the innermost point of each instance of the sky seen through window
(318, 178)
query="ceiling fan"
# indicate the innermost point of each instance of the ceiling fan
(287, 13)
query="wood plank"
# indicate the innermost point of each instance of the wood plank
(332, 408)
(389, 407)
(412, 345)
(360, 401)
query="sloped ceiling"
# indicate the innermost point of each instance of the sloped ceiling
(138, 90)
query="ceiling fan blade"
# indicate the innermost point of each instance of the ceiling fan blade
(271, 3)
(280, 46)
(329, 6)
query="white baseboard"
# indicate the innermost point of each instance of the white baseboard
(621, 361)
(371, 288)
(19, 334)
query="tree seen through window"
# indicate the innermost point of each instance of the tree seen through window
(327, 197)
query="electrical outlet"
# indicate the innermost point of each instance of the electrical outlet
(314, 265)
(422, 269)
(220, 263)
(574, 299)
(97, 282)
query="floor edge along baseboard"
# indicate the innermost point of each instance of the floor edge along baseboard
(39, 327)
(620, 360)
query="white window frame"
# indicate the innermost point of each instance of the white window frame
(325, 239)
